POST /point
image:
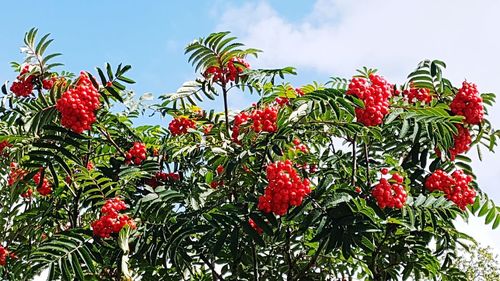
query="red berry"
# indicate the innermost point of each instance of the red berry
(255, 226)
(3, 255)
(285, 188)
(136, 154)
(455, 187)
(418, 94)
(384, 171)
(180, 125)
(44, 188)
(4, 144)
(468, 103)
(220, 169)
(375, 95)
(78, 105)
(111, 220)
(230, 72)
(390, 195)
(23, 87)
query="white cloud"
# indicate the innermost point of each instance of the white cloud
(339, 36)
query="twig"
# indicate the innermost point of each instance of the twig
(313, 260)
(255, 263)
(367, 160)
(108, 137)
(210, 265)
(354, 161)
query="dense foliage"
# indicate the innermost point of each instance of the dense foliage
(355, 178)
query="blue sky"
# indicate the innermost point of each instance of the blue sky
(321, 38)
(149, 37)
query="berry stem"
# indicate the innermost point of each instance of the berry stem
(288, 255)
(255, 263)
(354, 161)
(108, 137)
(226, 111)
(367, 160)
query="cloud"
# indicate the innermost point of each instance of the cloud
(338, 36)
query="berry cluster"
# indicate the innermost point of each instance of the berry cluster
(234, 68)
(4, 253)
(207, 129)
(47, 84)
(252, 223)
(461, 142)
(468, 103)
(216, 184)
(390, 193)
(78, 105)
(455, 187)
(111, 220)
(264, 119)
(180, 125)
(23, 87)
(239, 120)
(45, 187)
(4, 144)
(162, 177)
(136, 154)
(285, 188)
(375, 95)
(16, 174)
(418, 94)
(27, 194)
(300, 146)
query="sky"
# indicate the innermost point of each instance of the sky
(322, 38)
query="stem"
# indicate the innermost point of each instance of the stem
(108, 137)
(209, 264)
(367, 160)
(373, 265)
(226, 111)
(255, 263)
(313, 260)
(354, 161)
(288, 257)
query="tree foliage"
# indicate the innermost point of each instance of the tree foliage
(202, 222)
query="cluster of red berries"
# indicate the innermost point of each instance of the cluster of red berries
(45, 187)
(180, 125)
(4, 253)
(136, 154)
(4, 144)
(390, 193)
(239, 120)
(16, 174)
(418, 94)
(468, 103)
(234, 68)
(23, 87)
(461, 142)
(47, 84)
(375, 94)
(300, 146)
(78, 105)
(455, 187)
(265, 120)
(285, 188)
(252, 223)
(208, 128)
(111, 220)
(162, 177)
